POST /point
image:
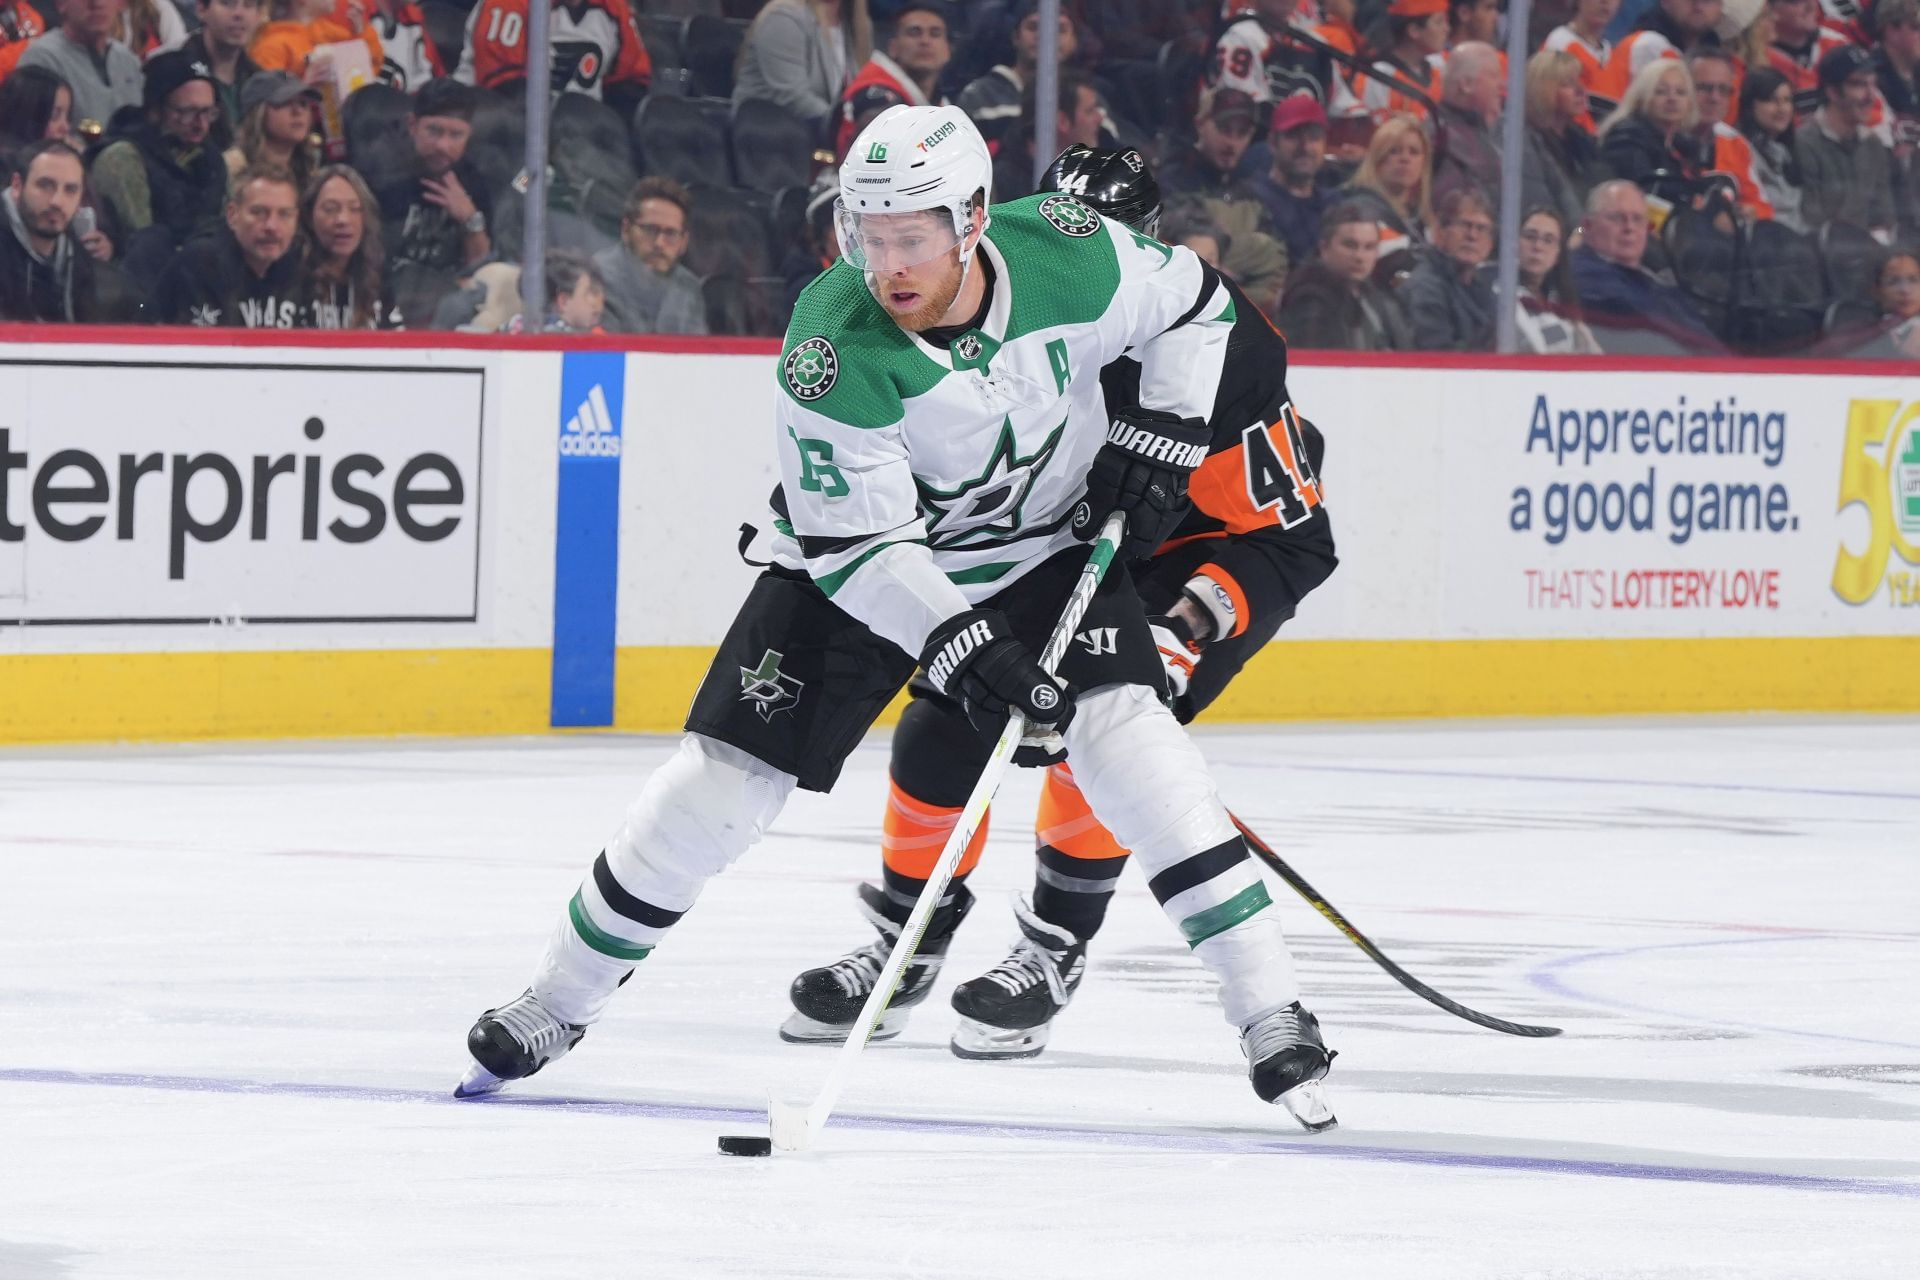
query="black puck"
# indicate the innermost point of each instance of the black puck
(744, 1145)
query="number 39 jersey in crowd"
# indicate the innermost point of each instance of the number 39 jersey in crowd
(595, 44)
(919, 480)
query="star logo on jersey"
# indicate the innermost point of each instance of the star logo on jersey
(1069, 216)
(811, 369)
(769, 689)
(991, 504)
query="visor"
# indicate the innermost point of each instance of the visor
(887, 242)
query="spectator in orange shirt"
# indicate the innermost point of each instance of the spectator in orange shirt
(1417, 31)
(300, 26)
(19, 23)
(1731, 154)
(1584, 39)
(596, 49)
(1799, 42)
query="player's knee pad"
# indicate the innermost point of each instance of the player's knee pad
(1144, 777)
(703, 808)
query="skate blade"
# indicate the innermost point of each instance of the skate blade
(977, 1041)
(1308, 1104)
(477, 1083)
(800, 1029)
(790, 1125)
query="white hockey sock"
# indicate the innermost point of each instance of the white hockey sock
(698, 812)
(1149, 784)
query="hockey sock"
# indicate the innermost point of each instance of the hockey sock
(1078, 862)
(911, 837)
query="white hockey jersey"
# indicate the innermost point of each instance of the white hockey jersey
(920, 480)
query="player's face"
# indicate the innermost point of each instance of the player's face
(913, 260)
(1539, 246)
(263, 217)
(439, 143)
(1899, 287)
(230, 24)
(1351, 250)
(189, 113)
(339, 222)
(49, 193)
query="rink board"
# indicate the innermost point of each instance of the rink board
(271, 536)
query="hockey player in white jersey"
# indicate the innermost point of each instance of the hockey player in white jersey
(944, 442)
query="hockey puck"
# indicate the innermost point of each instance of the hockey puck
(744, 1145)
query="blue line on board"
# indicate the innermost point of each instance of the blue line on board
(1162, 1141)
(1547, 977)
(1602, 782)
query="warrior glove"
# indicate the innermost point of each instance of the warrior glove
(973, 658)
(1142, 470)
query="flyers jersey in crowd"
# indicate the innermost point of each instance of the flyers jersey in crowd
(409, 59)
(595, 44)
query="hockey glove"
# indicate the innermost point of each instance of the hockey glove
(973, 658)
(1142, 470)
(1179, 650)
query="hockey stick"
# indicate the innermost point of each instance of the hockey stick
(793, 1126)
(1360, 940)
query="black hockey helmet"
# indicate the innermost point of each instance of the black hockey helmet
(1116, 182)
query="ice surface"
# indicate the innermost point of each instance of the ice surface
(234, 984)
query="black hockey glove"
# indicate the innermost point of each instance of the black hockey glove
(1142, 470)
(973, 658)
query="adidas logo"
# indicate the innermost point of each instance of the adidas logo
(590, 432)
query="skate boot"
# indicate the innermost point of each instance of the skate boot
(512, 1042)
(1005, 1012)
(827, 1000)
(1286, 1060)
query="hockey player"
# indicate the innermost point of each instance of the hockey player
(944, 441)
(1256, 541)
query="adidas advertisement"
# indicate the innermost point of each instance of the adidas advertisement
(246, 494)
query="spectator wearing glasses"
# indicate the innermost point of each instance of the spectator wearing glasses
(1448, 296)
(1332, 303)
(45, 275)
(1849, 171)
(164, 179)
(648, 288)
(1714, 73)
(102, 72)
(1547, 318)
(1631, 308)
(1766, 121)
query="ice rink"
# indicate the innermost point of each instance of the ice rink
(234, 984)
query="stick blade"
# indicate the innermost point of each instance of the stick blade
(790, 1125)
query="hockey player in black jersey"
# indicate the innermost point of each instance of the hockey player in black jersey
(1255, 543)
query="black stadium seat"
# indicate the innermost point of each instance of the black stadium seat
(665, 38)
(589, 156)
(772, 147)
(678, 138)
(730, 233)
(711, 46)
(375, 119)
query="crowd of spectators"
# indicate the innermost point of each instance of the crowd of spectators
(1695, 175)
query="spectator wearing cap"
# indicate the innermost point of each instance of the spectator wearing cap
(649, 288)
(300, 27)
(1332, 303)
(1417, 38)
(1297, 189)
(1078, 118)
(1629, 307)
(1562, 160)
(819, 248)
(45, 275)
(1584, 39)
(435, 221)
(1671, 29)
(276, 121)
(245, 274)
(800, 54)
(1448, 295)
(1849, 171)
(1766, 122)
(1800, 43)
(992, 101)
(102, 72)
(1466, 150)
(227, 29)
(906, 71)
(163, 178)
(1223, 129)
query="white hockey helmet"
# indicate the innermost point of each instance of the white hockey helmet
(911, 160)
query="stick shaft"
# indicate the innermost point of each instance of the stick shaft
(1104, 548)
(1300, 886)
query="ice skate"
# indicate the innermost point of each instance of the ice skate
(1005, 1012)
(1286, 1061)
(512, 1043)
(827, 1000)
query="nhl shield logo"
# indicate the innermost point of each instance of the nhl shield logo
(1069, 216)
(969, 347)
(811, 369)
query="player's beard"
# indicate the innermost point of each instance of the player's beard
(936, 301)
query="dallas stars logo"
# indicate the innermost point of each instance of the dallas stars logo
(991, 504)
(768, 688)
(811, 369)
(1069, 216)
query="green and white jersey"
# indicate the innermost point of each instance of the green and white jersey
(920, 480)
